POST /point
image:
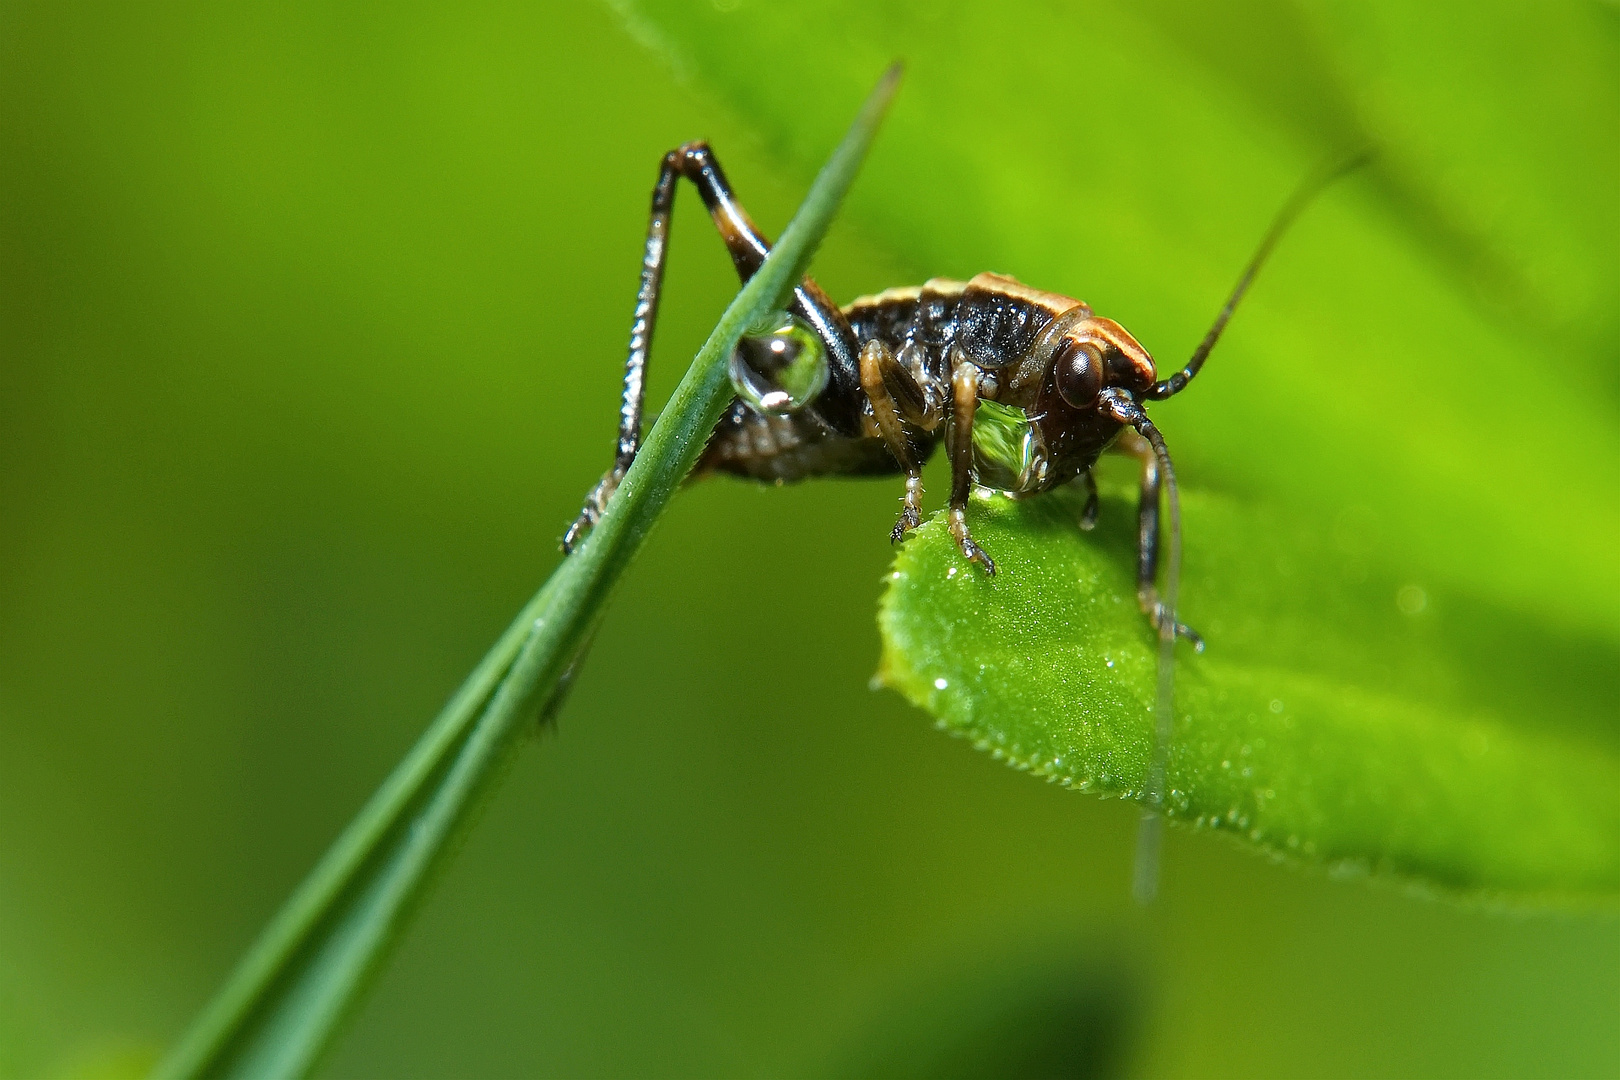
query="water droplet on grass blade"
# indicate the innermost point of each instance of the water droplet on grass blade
(780, 368)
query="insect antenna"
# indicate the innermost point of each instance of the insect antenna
(1145, 880)
(1145, 883)
(1297, 202)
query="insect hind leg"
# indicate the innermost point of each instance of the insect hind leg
(748, 248)
(654, 254)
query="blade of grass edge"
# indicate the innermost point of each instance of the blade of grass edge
(280, 1007)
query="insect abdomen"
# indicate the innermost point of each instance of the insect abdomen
(786, 448)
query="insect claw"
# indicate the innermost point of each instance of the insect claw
(577, 530)
(595, 503)
(977, 554)
(911, 509)
(1157, 615)
(964, 540)
(1088, 516)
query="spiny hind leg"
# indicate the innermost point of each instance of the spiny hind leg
(964, 402)
(642, 322)
(748, 248)
(1147, 536)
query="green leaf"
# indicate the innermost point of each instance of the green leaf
(1416, 401)
(283, 1003)
(1350, 722)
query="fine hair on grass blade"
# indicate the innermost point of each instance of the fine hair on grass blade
(281, 1006)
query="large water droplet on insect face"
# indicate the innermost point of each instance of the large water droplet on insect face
(781, 368)
(1006, 455)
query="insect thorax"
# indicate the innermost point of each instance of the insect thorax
(1025, 439)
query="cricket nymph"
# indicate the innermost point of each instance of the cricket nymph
(1010, 378)
(1025, 388)
(1041, 357)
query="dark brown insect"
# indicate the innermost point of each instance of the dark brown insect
(1026, 388)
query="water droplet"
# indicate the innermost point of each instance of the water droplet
(940, 684)
(1276, 705)
(1411, 599)
(780, 368)
(1006, 455)
(950, 573)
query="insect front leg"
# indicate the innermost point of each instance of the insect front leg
(878, 368)
(959, 445)
(1147, 534)
(748, 248)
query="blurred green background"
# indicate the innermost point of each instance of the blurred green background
(310, 330)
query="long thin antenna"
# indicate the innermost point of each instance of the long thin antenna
(1145, 881)
(1302, 196)
(1149, 840)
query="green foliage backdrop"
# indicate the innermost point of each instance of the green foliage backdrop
(308, 342)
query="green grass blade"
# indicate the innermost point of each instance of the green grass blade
(281, 1006)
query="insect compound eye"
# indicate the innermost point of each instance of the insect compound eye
(1078, 370)
(779, 368)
